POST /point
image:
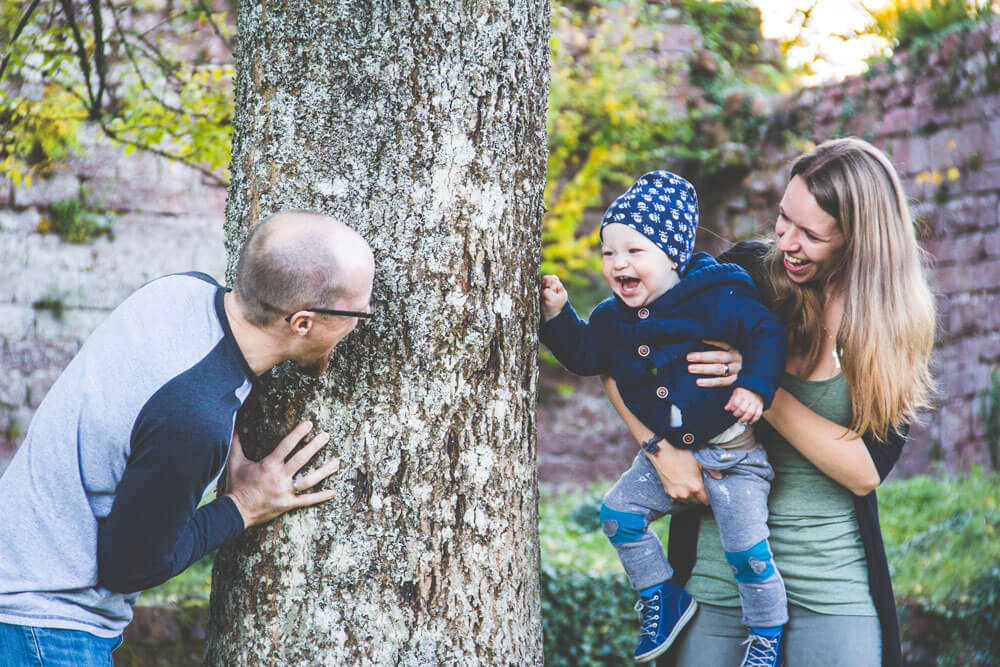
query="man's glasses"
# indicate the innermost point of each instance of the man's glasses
(328, 311)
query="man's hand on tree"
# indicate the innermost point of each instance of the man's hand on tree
(264, 489)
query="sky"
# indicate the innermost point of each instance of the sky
(841, 57)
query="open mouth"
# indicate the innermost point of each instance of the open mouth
(794, 264)
(628, 285)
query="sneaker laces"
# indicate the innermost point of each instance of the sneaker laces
(649, 614)
(762, 651)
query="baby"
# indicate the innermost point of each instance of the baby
(666, 301)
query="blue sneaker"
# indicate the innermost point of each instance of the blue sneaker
(762, 651)
(662, 615)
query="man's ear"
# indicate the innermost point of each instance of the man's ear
(301, 322)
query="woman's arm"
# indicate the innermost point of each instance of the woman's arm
(677, 468)
(836, 450)
(839, 452)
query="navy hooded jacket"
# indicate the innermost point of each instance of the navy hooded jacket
(645, 349)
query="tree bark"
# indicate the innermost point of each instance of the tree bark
(421, 125)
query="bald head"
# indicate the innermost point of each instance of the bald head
(300, 259)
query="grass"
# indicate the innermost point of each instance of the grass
(941, 534)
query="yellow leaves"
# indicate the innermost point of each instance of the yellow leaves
(938, 176)
(929, 176)
(44, 225)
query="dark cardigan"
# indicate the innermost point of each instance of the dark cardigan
(645, 349)
(682, 546)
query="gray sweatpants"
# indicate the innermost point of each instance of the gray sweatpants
(715, 639)
(739, 502)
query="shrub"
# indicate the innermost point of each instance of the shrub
(586, 619)
(905, 22)
(74, 221)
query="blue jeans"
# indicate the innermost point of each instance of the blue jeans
(29, 646)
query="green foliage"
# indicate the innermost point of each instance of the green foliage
(52, 303)
(75, 221)
(586, 516)
(941, 535)
(730, 29)
(906, 22)
(190, 586)
(39, 124)
(990, 412)
(138, 70)
(619, 106)
(587, 620)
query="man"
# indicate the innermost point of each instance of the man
(100, 500)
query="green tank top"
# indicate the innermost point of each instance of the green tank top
(814, 529)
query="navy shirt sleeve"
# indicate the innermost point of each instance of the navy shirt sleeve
(575, 343)
(155, 529)
(761, 339)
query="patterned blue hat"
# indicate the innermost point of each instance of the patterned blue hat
(664, 208)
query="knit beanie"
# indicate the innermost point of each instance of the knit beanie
(664, 208)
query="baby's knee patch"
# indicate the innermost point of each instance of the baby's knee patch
(622, 527)
(752, 565)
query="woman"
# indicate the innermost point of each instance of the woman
(844, 274)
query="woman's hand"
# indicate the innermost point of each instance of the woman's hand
(678, 470)
(720, 366)
(680, 474)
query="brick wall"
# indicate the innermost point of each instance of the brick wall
(165, 219)
(936, 112)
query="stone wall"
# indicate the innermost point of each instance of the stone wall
(936, 112)
(164, 219)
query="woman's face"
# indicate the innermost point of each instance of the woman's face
(808, 236)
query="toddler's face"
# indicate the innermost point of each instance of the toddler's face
(635, 267)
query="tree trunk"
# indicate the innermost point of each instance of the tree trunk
(422, 125)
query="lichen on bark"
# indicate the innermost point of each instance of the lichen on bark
(422, 125)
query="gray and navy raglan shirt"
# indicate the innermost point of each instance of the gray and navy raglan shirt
(101, 500)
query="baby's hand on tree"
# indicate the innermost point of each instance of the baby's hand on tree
(553, 297)
(745, 405)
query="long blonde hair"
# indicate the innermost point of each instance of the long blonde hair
(886, 334)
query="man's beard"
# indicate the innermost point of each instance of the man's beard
(317, 367)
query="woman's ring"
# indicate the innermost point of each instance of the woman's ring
(295, 485)
(725, 370)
